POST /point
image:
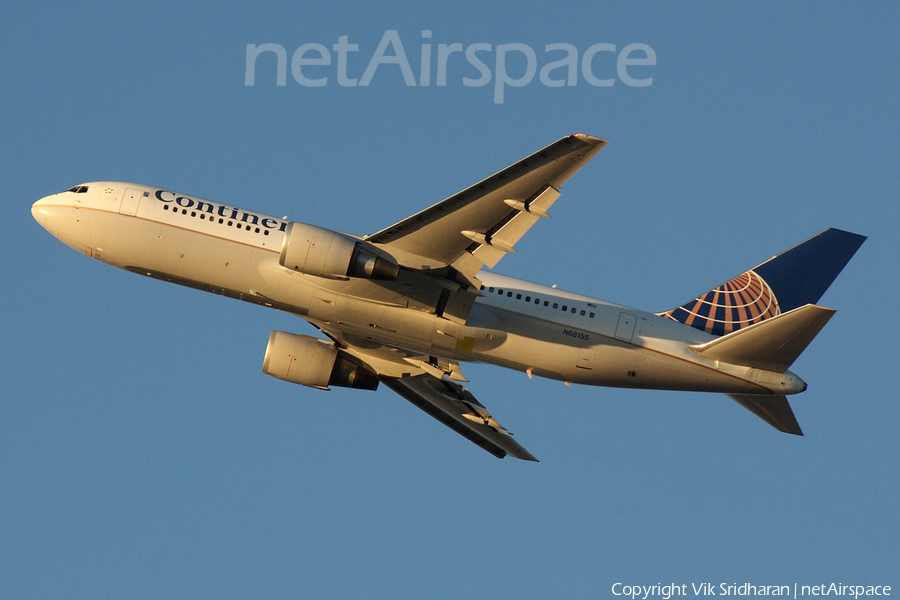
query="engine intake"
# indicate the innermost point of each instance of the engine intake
(315, 363)
(326, 253)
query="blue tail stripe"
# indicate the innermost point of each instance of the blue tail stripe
(801, 275)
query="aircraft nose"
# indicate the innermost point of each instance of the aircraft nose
(39, 211)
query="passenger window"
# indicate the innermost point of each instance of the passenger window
(482, 287)
(582, 313)
(491, 290)
(546, 303)
(573, 310)
(518, 296)
(499, 291)
(527, 298)
(509, 294)
(555, 305)
(537, 300)
(592, 315)
(565, 308)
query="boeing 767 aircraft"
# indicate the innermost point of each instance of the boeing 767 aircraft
(406, 305)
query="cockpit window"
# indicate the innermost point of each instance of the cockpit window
(78, 189)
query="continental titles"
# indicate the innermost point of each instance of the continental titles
(226, 212)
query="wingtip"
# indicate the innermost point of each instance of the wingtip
(525, 455)
(590, 138)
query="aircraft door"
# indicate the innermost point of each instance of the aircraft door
(625, 328)
(130, 202)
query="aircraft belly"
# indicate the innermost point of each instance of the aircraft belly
(618, 364)
(526, 343)
(557, 351)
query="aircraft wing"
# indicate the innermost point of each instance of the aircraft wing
(427, 382)
(454, 406)
(479, 225)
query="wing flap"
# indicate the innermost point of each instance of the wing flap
(455, 407)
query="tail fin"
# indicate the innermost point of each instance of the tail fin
(794, 278)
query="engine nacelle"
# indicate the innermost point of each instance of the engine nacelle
(325, 253)
(315, 363)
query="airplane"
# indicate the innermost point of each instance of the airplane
(407, 305)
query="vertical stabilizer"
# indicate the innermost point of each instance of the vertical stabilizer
(794, 278)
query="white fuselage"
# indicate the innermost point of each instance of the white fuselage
(528, 327)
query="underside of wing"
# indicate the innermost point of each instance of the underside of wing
(455, 407)
(428, 382)
(388, 361)
(479, 225)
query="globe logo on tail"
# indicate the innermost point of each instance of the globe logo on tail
(741, 302)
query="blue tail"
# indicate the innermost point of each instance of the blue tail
(794, 278)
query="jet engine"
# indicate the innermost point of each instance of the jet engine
(315, 363)
(325, 253)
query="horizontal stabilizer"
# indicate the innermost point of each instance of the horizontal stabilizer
(774, 410)
(773, 344)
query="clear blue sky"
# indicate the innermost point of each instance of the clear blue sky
(144, 455)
